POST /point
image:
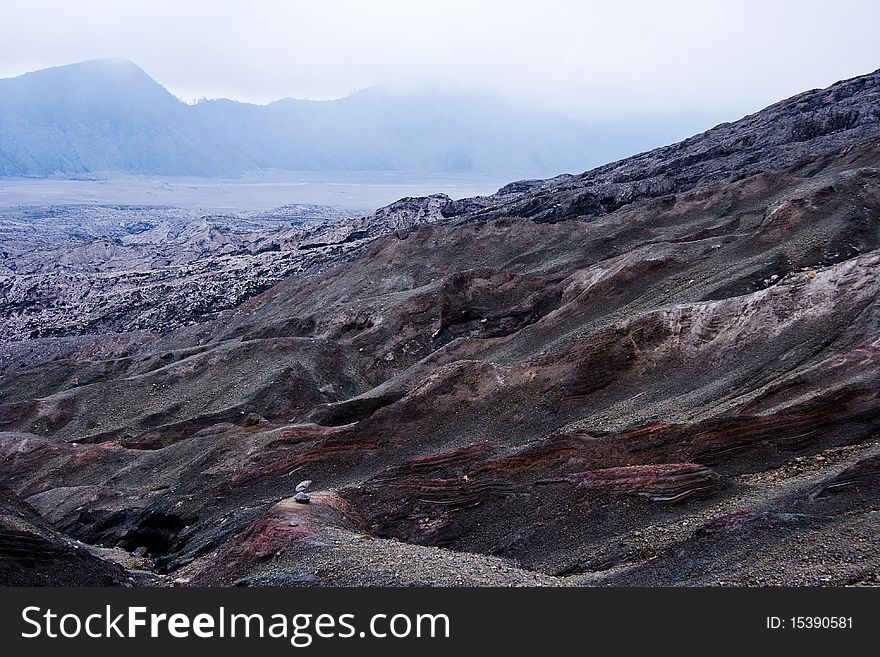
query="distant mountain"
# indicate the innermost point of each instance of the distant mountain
(109, 115)
(102, 115)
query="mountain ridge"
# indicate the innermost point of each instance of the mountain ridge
(109, 115)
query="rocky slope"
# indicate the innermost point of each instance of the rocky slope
(659, 372)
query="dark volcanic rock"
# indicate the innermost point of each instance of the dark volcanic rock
(663, 371)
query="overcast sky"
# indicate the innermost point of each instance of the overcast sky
(587, 58)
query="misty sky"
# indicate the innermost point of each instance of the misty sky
(591, 59)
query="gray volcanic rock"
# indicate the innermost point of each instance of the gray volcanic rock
(680, 388)
(808, 124)
(85, 269)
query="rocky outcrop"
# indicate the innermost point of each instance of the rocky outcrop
(806, 125)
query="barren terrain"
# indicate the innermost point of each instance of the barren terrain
(660, 372)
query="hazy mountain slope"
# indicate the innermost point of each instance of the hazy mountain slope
(103, 115)
(107, 115)
(378, 129)
(808, 124)
(676, 386)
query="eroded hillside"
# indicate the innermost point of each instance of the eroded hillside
(659, 372)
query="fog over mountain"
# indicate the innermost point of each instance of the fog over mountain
(109, 115)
